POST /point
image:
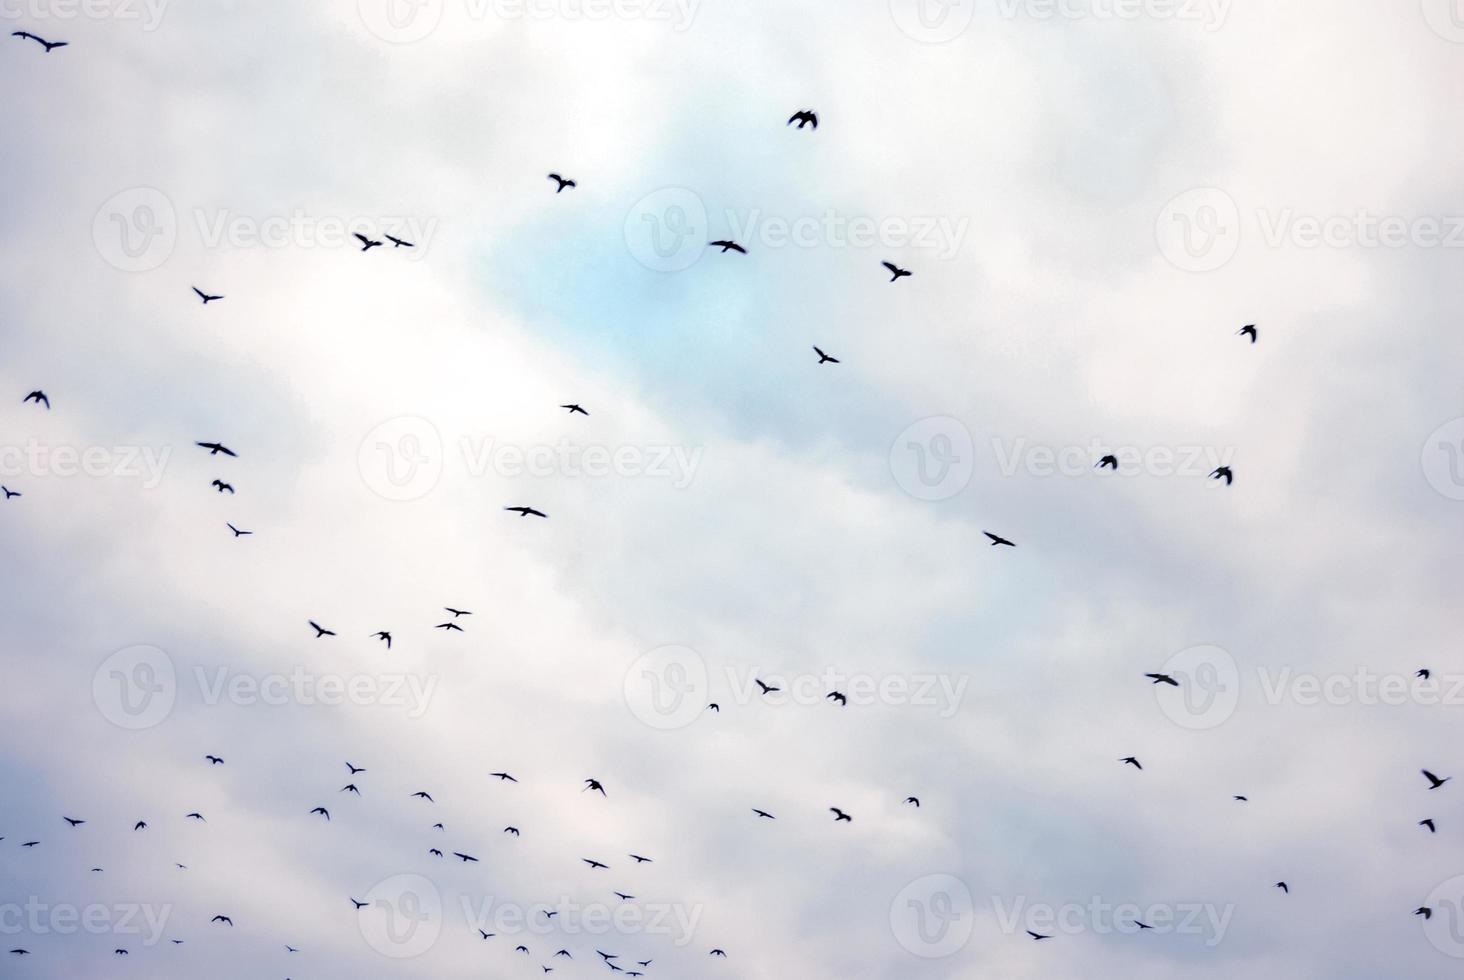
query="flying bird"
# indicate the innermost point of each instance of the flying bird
(766, 688)
(1241, 799)
(367, 244)
(449, 626)
(594, 864)
(764, 814)
(1129, 760)
(222, 487)
(640, 860)
(398, 242)
(563, 182)
(896, 273)
(48, 45)
(804, 117)
(224, 919)
(320, 630)
(1223, 473)
(74, 823)
(593, 784)
(349, 787)
(913, 799)
(238, 533)
(1424, 911)
(527, 512)
(355, 769)
(840, 816)
(207, 299)
(10, 493)
(1434, 782)
(359, 905)
(194, 816)
(385, 637)
(1108, 462)
(825, 358)
(575, 409)
(717, 952)
(140, 825)
(511, 830)
(465, 858)
(457, 612)
(727, 245)
(214, 760)
(622, 896)
(423, 796)
(1428, 822)
(1249, 330)
(837, 696)
(1423, 672)
(214, 448)
(1163, 679)
(1037, 936)
(322, 811)
(39, 397)
(997, 539)
(503, 777)
(1283, 886)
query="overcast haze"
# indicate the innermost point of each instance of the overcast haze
(1093, 198)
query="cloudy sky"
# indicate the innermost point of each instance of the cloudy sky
(1093, 197)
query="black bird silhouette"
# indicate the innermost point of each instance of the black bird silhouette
(595, 785)
(20, 952)
(837, 696)
(140, 825)
(224, 919)
(437, 826)
(354, 769)
(214, 760)
(486, 935)
(594, 864)
(575, 409)
(825, 358)
(359, 905)
(322, 811)
(10, 493)
(1428, 822)
(521, 949)
(804, 117)
(398, 242)
(714, 706)
(351, 787)
(840, 815)
(465, 858)
(214, 448)
(564, 953)
(238, 533)
(74, 823)
(423, 796)
(1241, 799)
(1423, 673)
(896, 273)
(527, 512)
(913, 799)
(1037, 936)
(622, 896)
(194, 816)
(1142, 925)
(1249, 330)
(563, 182)
(449, 626)
(1223, 473)
(640, 860)
(457, 612)
(30, 843)
(320, 630)
(1129, 760)
(511, 830)
(367, 244)
(717, 952)
(48, 45)
(221, 486)
(207, 299)
(728, 246)
(1424, 911)
(1284, 887)
(1163, 679)
(39, 397)
(997, 539)
(119, 952)
(1434, 782)
(435, 852)
(764, 814)
(766, 688)
(503, 777)
(386, 638)
(1110, 462)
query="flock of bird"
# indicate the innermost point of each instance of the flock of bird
(354, 786)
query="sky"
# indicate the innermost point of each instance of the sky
(1092, 196)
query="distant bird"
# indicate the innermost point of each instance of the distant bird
(840, 816)
(1424, 911)
(1223, 473)
(804, 117)
(39, 397)
(825, 358)
(766, 688)
(838, 697)
(354, 769)
(575, 409)
(640, 860)
(565, 953)
(527, 512)
(320, 630)
(1428, 822)
(214, 448)
(20, 952)
(896, 273)
(119, 952)
(914, 800)
(1163, 679)
(593, 784)
(1249, 330)
(449, 626)
(423, 796)
(764, 814)
(435, 852)
(290, 949)
(349, 787)
(322, 811)
(714, 706)
(717, 952)
(465, 858)
(1434, 781)
(74, 823)
(503, 777)
(238, 533)
(222, 487)
(1108, 462)
(359, 905)
(224, 919)
(398, 242)
(726, 245)
(511, 830)
(1423, 672)
(214, 760)
(594, 864)
(1241, 799)
(997, 539)
(194, 816)
(207, 299)
(140, 825)
(563, 182)
(438, 826)
(1129, 760)
(367, 244)
(486, 935)
(457, 612)
(1037, 936)
(10, 493)
(622, 896)
(385, 637)
(30, 843)
(1284, 887)
(1142, 925)
(48, 45)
